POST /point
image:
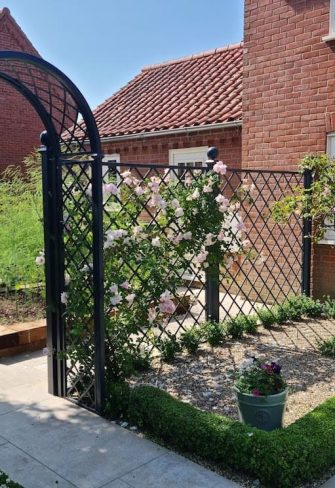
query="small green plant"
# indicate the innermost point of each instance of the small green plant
(327, 347)
(168, 347)
(141, 361)
(329, 308)
(235, 328)
(313, 308)
(214, 333)
(191, 340)
(244, 323)
(267, 317)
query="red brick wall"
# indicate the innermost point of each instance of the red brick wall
(289, 94)
(20, 127)
(156, 149)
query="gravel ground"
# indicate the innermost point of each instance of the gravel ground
(206, 380)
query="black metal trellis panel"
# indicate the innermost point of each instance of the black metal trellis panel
(273, 273)
(276, 270)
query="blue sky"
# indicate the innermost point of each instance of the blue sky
(102, 44)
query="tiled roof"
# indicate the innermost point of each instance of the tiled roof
(195, 91)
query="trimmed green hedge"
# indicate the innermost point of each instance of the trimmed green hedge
(282, 458)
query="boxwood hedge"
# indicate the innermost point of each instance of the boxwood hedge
(282, 458)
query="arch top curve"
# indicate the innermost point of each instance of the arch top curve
(57, 100)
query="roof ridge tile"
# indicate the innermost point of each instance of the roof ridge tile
(229, 47)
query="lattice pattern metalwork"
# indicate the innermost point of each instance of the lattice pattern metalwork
(144, 259)
(58, 102)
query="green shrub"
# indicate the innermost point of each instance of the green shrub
(267, 317)
(329, 308)
(214, 333)
(6, 482)
(327, 347)
(191, 339)
(141, 361)
(21, 235)
(279, 459)
(117, 399)
(235, 328)
(250, 324)
(168, 347)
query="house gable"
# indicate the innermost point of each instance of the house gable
(19, 123)
(12, 37)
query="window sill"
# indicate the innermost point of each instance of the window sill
(330, 242)
(329, 38)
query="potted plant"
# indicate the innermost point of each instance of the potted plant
(261, 393)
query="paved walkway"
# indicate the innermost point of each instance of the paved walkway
(48, 442)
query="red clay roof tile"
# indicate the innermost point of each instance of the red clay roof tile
(198, 90)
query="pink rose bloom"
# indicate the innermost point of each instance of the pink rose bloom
(240, 226)
(125, 285)
(175, 203)
(179, 212)
(128, 181)
(201, 257)
(167, 306)
(220, 168)
(139, 191)
(246, 243)
(178, 238)
(130, 298)
(208, 189)
(152, 314)
(154, 184)
(110, 189)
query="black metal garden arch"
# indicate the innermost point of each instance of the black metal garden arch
(70, 133)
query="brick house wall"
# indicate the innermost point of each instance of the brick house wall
(20, 127)
(289, 95)
(156, 149)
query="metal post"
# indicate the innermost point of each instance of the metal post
(98, 282)
(307, 241)
(53, 275)
(212, 290)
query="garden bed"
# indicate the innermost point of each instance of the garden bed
(206, 379)
(21, 306)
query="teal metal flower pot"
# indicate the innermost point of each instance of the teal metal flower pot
(263, 412)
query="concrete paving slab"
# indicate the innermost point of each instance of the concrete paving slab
(44, 438)
(20, 467)
(17, 397)
(80, 446)
(330, 483)
(172, 470)
(117, 484)
(2, 441)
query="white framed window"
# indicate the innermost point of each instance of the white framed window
(194, 157)
(329, 237)
(331, 34)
